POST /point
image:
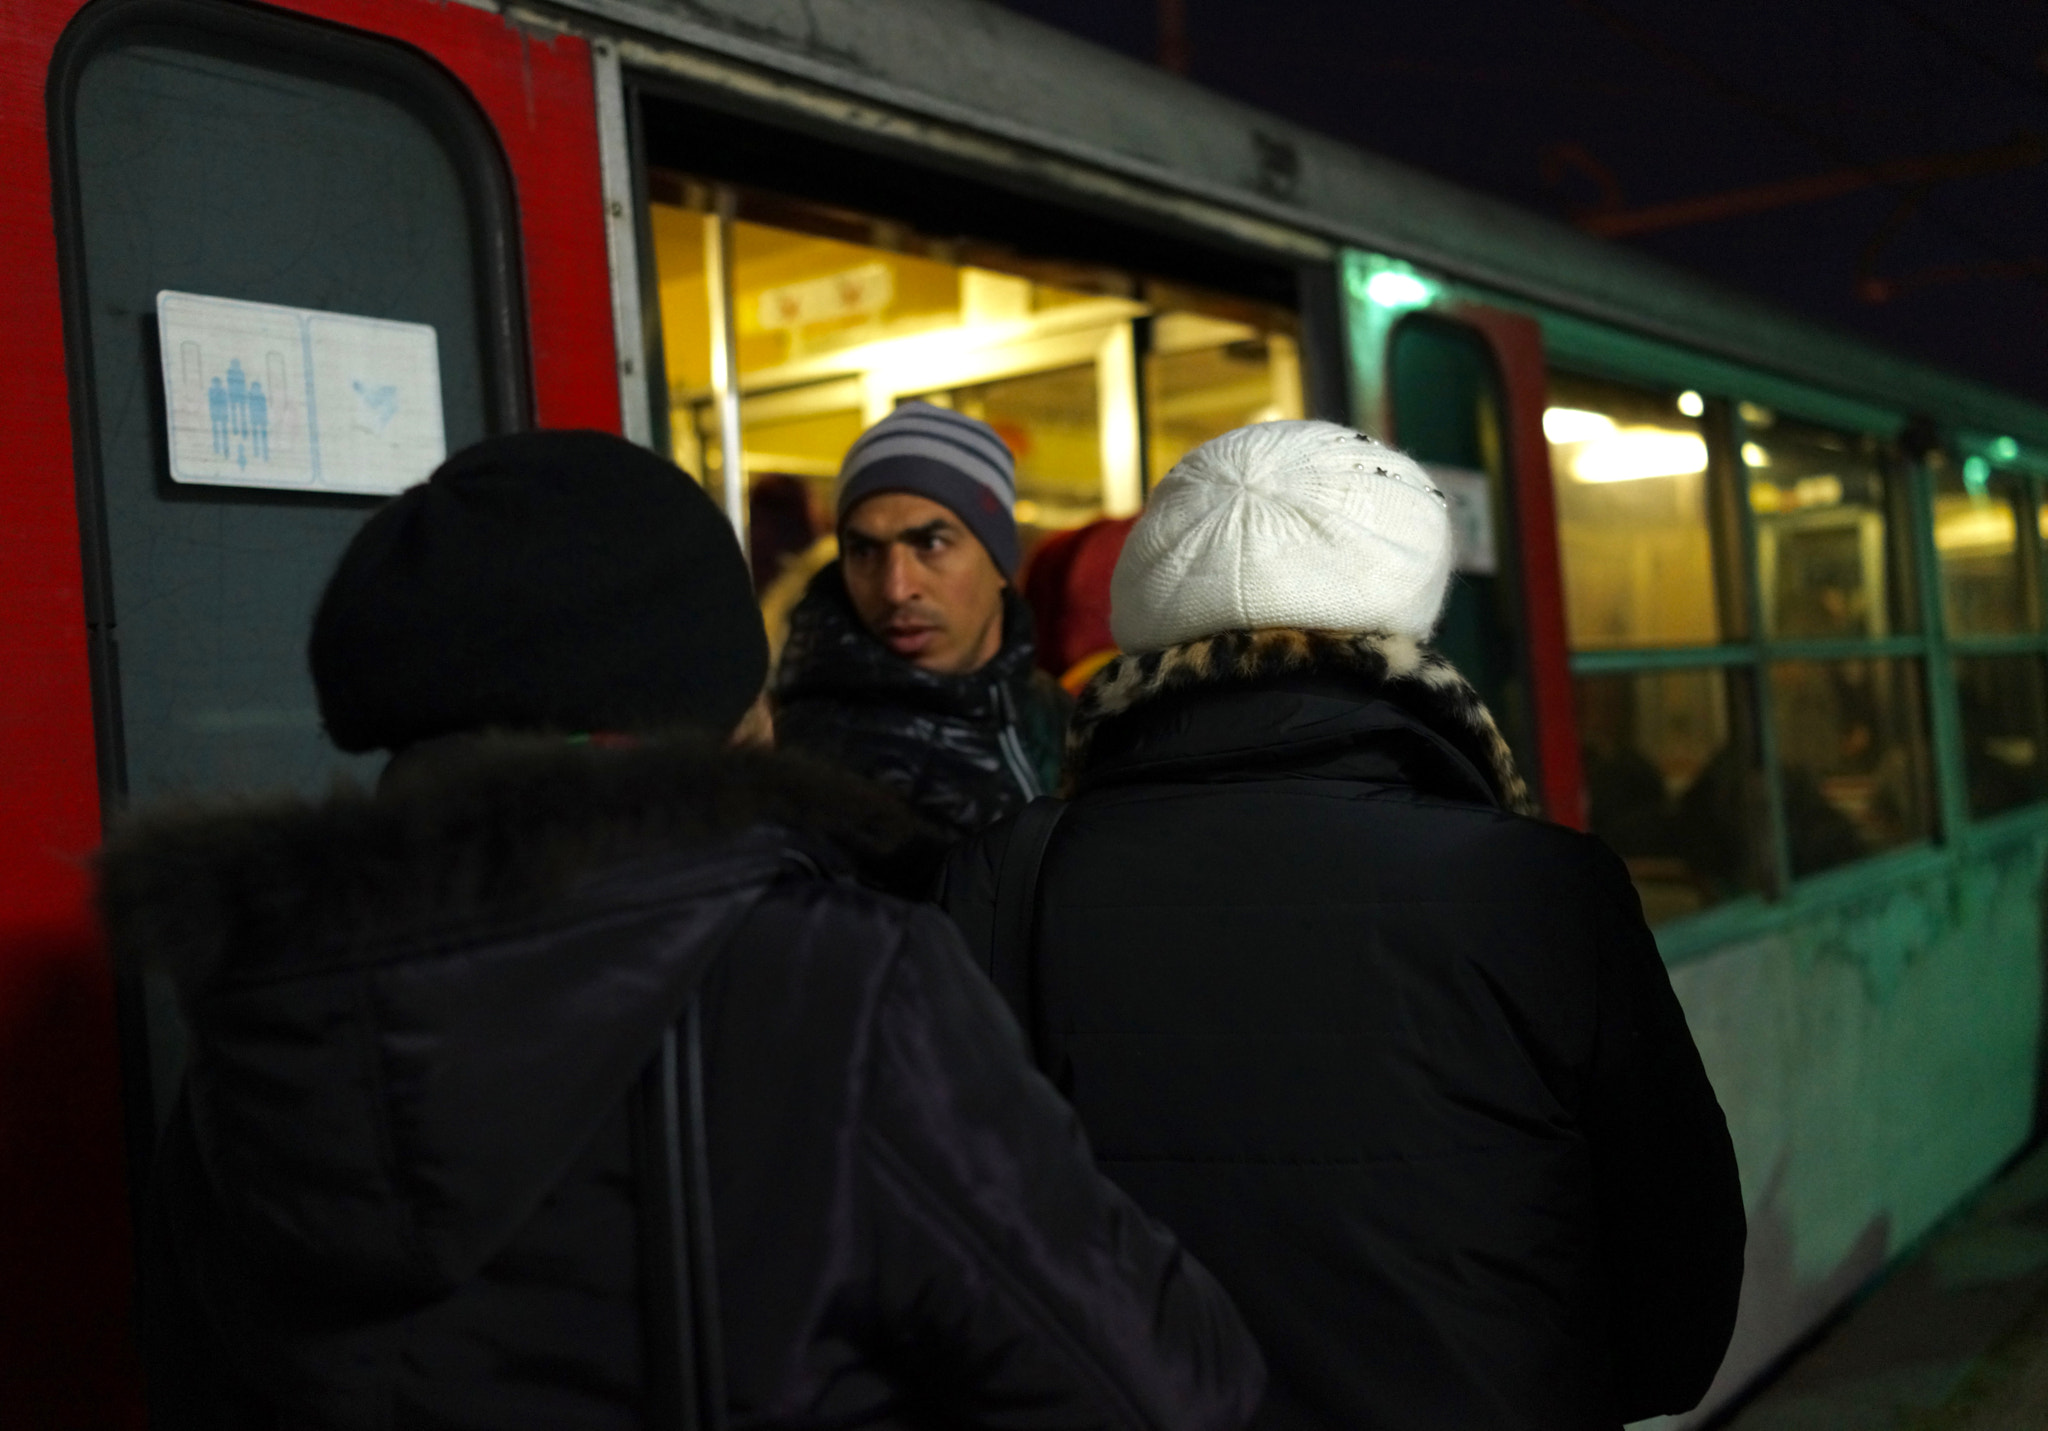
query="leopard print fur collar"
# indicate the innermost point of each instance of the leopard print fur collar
(1397, 669)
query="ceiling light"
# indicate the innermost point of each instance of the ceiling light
(1691, 404)
(1639, 453)
(1575, 424)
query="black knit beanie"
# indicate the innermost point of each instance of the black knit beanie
(564, 581)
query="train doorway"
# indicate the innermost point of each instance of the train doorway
(801, 296)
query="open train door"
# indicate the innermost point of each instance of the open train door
(1461, 387)
(337, 167)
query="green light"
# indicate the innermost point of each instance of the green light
(1976, 475)
(2005, 449)
(1391, 289)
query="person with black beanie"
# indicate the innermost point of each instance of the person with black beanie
(572, 1077)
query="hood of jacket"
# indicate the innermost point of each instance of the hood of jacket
(409, 1010)
(829, 653)
(1254, 704)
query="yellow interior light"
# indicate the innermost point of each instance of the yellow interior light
(1691, 404)
(1984, 529)
(1637, 453)
(1754, 455)
(1575, 424)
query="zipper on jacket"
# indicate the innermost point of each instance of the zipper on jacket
(1011, 744)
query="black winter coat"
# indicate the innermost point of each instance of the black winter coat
(399, 1187)
(1402, 1067)
(964, 749)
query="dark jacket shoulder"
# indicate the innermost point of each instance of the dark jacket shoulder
(503, 934)
(1296, 916)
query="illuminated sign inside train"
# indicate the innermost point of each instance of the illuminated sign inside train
(258, 395)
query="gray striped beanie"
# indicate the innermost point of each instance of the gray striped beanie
(955, 460)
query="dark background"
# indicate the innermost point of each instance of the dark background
(1917, 131)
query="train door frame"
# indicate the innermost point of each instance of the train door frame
(533, 86)
(799, 118)
(1384, 294)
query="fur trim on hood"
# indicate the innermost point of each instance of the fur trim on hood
(475, 829)
(1391, 668)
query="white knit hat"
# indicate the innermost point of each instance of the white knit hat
(1284, 524)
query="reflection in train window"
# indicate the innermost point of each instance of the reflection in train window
(1822, 507)
(2003, 705)
(1852, 757)
(1673, 783)
(1976, 536)
(1985, 571)
(1098, 379)
(1635, 532)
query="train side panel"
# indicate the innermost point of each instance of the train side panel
(1877, 1060)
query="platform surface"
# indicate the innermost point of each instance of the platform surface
(1955, 1339)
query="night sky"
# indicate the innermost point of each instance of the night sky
(1564, 105)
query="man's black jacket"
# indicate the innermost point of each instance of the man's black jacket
(964, 749)
(399, 1191)
(1401, 1067)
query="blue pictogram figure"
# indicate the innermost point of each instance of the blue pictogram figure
(380, 404)
(217, 409)
(259, 422)
(238, 398)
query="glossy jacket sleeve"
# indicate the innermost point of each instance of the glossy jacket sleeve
(1029, 1289)
(1670, 1198)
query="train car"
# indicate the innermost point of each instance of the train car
(1758, 603)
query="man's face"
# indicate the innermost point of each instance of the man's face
(921, 582)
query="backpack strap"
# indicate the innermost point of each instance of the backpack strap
(1016, 916)
(684, 1377)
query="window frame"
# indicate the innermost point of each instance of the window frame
(2029, 470)
(1734, 530)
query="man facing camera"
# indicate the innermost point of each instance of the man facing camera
(910, 659)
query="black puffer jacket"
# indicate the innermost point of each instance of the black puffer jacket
(965, 750)
(1402, 1067)
(399, 1188)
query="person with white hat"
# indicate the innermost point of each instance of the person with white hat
(1396, 1058)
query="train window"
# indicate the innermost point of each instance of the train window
(1097, 378)
(1635, 529)
(1986, 581)
(1688, 521)
(1852, 758)
(374, 189)
(1052, 424)
(1207, 372)
(1821, 502)
(2002, 704)
(1672, 783)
